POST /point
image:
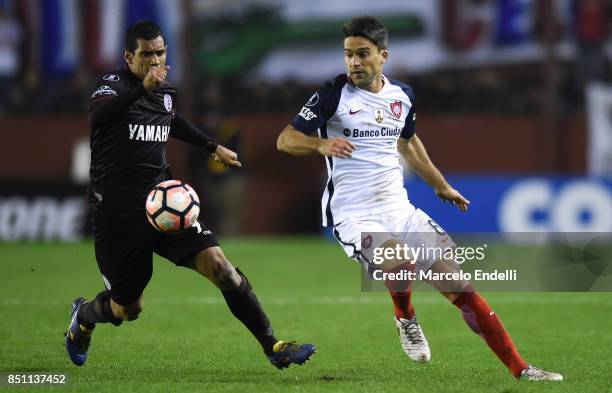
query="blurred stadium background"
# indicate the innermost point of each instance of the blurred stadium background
(513, 97)
(514, 103)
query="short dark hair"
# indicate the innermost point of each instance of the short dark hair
(141, 30)
(367, 27)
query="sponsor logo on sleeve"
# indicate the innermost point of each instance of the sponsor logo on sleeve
(313, 100)
(104, 91)
(307, 114)
(111, 77)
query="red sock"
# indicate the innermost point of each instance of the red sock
(402, 304)
(484, 322)
(401, 294)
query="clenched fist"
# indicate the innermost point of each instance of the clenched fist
(155, 78)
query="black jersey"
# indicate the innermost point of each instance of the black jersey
(128, 145)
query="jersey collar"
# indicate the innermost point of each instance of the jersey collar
(383, 78)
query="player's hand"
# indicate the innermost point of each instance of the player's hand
(155, 78)
(449, 194)
(226, 157)
(336, 147)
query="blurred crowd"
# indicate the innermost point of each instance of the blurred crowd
(41, 75)
(511, 88)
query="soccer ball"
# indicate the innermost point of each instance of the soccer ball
(172, 206)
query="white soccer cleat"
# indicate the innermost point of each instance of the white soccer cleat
(535, 374)
(413, 340)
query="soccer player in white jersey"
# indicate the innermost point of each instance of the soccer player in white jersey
(364, 122)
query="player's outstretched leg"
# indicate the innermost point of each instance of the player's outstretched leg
(413, 341)
(83, 318)
(484, 321)
(245, 306)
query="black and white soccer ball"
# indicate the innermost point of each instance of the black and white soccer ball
(172, 206)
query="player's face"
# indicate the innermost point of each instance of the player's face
(148, 54)
(363, 61)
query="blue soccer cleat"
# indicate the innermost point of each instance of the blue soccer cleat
(289, 352)
(77, 336)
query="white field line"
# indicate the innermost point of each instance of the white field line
(326, 300)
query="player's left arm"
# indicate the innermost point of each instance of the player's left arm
(414, 152)
(183, 130)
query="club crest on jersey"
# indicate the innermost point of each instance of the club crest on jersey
(168, 102)
(379, 114)
(396, 109)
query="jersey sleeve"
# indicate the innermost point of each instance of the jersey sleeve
(110, 98)
(184, 130)
(320, 107)
(108, 86)
(410, 123)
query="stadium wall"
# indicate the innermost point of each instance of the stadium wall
(521, 204)
(282, 191)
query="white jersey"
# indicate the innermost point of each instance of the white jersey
(371, 182)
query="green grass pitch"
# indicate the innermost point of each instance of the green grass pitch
(187, 341)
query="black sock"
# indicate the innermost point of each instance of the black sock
(97, 311)
(244, 305)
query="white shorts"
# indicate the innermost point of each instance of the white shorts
(413, 228)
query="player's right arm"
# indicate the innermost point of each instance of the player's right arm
(299, 138)
(111, 97)
(297, 143)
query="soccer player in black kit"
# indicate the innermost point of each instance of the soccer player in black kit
(132, 113)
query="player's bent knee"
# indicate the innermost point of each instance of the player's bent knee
(394, 262)
(225, 276)
(213, 264)
(447, 283)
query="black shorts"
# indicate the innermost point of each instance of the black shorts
(124, 251)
